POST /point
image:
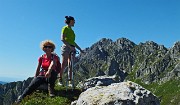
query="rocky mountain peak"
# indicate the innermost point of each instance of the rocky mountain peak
(124, 41)
(175, 50)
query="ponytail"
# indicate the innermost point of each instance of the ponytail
(68, 19)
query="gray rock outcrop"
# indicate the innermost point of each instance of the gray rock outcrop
(98, 81)
(124, 93)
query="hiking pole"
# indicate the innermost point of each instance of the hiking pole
(69, 70)
(47, 79)
(72, 66)
(72, 74)
(67, 80)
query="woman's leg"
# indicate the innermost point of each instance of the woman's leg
(65, 53)
(35, 83)
(51, 83)
(64, 63)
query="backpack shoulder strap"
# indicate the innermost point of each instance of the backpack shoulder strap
(52, 57)
(41, 57)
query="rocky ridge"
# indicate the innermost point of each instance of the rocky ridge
(147, 62)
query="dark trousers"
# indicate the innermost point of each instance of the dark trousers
(39, 80)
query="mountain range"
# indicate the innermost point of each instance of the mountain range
(1, 82)
(153, 66)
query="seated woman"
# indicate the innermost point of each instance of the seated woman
(45, 72)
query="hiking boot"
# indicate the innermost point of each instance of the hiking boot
(51, 91)
(70, 84)
(52, 95)
(60, 83)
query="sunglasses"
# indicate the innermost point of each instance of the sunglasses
(47, 46)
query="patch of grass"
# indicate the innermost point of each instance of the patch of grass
(44, 99)
(132, 74)
(168, 92)
(64, 96)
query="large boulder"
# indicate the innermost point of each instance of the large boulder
(124, 93)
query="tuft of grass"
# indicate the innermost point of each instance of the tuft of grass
(64, 96)
(44, 99)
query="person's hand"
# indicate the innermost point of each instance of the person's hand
(48, 74)
(72, 48)
(82, 51)
(35, 75)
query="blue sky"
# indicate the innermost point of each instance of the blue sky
(25, 23)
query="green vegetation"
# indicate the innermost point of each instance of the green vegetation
(168, 92)
(131, 75)
(63, 97)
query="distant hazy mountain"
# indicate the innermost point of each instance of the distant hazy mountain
(11, 79)
(1, 82)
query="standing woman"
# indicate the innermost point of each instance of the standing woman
(69, 44)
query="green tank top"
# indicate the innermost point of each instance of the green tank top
(70, 35)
